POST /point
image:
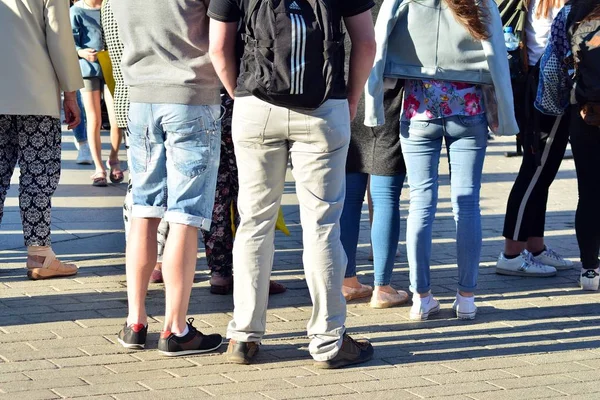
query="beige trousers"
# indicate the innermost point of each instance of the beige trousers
(265, 137)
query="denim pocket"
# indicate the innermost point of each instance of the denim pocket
(472, 120)
(189, 145)
(139, 147)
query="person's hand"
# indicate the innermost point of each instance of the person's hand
(89, 54)
(72, 112)
(353, 104)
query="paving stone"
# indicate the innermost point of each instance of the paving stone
(109, 388)
(547, 369)
(526, 393)
(113, 360)
(472, 376)
(532, 381)
(344, 377)
(248, 387)
(111, 377)
(389, 384)
(586, 387)
(454, 389)
(81, 372)
(184, 393)
(10, 387)
(293, 372)
(300, 393)
(32, 395)
(203, 380)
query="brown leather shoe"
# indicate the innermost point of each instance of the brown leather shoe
(241, 352)
(49, 269)
(157, 276)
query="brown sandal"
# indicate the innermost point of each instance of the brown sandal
(99, 179)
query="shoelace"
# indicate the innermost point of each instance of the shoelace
(191, 326)
(531, 261)
(552, 254)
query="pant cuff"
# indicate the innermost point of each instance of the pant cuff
(138, 211)
(330, 349)
(420, 290)
(187, 219)
(468, 289)
(243, 336)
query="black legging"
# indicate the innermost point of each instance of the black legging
(585, 143)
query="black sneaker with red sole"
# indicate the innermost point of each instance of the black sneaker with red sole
(133, 336)
(194, 342)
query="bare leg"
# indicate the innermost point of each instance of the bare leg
(181, 252)
(535, 244)
(512, 247)
(141, 259)
(91, 103)
(116, 134)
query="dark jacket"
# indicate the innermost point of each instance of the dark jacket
(377, 151)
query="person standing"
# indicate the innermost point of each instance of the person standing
(443, 102)
(569, 82)
(30, 131)
(112, 43)
(307, 120)
(174, 143)
(525, 252)
(87, 31)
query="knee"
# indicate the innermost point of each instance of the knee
(466, 205)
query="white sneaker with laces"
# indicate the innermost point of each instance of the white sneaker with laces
(523, 265)
(590, 279)
(552, 258)
(423, 307)
(465, 307)
(84, 155)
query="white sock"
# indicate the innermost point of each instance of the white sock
(185, 332)
(424, 300)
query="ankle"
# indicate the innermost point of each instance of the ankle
(352, 282)
(466, 294)
(139, 320)
(385, 289)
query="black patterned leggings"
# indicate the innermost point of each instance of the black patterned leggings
(219, 240)
(34, 142)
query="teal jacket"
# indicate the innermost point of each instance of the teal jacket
(421, 39)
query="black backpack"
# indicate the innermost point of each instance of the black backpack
(294, 52)
(584, 34)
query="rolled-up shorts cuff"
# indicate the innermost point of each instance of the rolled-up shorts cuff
(138, 211)
(188, 219)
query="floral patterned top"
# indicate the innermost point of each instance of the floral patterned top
(431, 99)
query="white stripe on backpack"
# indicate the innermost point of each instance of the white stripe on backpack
(298, 61)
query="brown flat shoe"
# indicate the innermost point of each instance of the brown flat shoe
(361, 292)
(276, 288)
(51, 268)
(387, 300)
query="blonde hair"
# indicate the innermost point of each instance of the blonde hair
(472, 15)
(545, 6)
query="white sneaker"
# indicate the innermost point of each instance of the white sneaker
(552, 258)
(523, 265)
(590, 279)
(75, 142)
(423, 307)
(464, 307)
(84, 155)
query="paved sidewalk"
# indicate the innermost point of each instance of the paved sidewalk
(533, 338)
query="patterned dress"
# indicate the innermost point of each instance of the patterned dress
(115, 51)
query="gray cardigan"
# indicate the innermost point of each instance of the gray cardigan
(423, 40)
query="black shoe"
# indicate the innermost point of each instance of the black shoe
(352, 352)
(194, 342)
(241, 352)
(133, 336)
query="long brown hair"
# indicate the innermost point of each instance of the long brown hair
(472, 16)
(545, 6)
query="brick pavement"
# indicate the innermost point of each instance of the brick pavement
(533, 338)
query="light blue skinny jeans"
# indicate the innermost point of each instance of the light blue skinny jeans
(80, 131)
(466, 141)
(385, 193)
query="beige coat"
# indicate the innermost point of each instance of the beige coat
(37, 56)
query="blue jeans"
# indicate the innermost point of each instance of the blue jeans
(80, 131)
(466, 141)
(174, 150)
(385, 193)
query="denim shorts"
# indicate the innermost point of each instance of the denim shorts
(174, 154)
